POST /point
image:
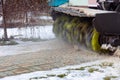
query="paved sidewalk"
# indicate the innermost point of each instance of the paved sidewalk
(60, 56)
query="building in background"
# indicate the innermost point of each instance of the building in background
(82, 2)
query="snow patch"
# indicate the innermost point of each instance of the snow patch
(104, 70)
(45, 17)
(42, 32)
(1, 18)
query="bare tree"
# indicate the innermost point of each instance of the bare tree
(4, 21)
(17, 9)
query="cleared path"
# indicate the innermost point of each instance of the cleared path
(44, 55)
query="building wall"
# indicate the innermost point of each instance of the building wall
(82, 2)
(78, 2)
(92, 2)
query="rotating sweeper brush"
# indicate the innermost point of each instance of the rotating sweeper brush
(94, 24)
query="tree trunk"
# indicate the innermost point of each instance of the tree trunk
(4, 22)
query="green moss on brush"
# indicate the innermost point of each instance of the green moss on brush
(73, 30)
(69, 38)
(95, 42)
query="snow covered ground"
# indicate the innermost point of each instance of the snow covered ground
(45, 18)
(98, 70)
(42, 32)
(30, 39)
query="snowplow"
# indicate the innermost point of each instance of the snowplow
(92, 23)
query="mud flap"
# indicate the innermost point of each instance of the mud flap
(107, 23)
